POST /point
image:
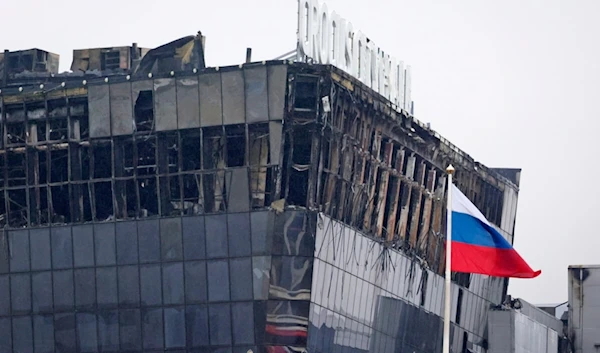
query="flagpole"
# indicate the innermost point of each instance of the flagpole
(447, 296)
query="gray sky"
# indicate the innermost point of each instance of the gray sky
(513, 83)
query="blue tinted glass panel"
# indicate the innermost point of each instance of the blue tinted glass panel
(41, 292)
(152, 322)
(243, 323)
(64, 333)
(150, 282)
(20, 294)
(108, 331)
(220, 324)
(83, 246)
(4, 255)
(173, 290)
(43, 333)
(129, 286)
(197, 326)
(218, 280)
(39, 242)
(106, 284)
(241, 278)
(195, 281)
(171, 239)
(149, 241)
(87, 337)
(19, 248)
(85, 288)
(62, 248)
(6, 336)
(194, 238)
(261, 244)
(216, 236)
(239, 234)
(104, 240)
(22, 334)
(175, 327)
(130, 329)
(64, 292)
(4, 293)
(127, 243)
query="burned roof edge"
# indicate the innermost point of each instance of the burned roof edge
(33, 85)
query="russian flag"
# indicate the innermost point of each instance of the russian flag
(478, 248)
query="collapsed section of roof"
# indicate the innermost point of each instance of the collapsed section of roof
(183, 54)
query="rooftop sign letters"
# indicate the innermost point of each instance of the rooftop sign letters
(326, 38)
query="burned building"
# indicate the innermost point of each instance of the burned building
(272, 206)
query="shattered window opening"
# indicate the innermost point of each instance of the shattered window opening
(236, 145)
(144, 111)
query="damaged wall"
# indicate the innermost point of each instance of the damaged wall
(370, 298)
(129, 149)
(356, 159)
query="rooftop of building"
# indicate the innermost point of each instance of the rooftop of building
(185, 57)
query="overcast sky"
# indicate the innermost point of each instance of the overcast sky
(512, 83)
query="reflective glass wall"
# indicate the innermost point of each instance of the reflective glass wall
(216, 283)
(367, 298)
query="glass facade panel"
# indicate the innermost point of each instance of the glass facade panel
(104, 241)
(127, 243)
(41, 292)
(218, 280)
(129, 286)
(216, 236)
(173, 289)
(227, 282)
(62, 248)
(220, 324)
(149, 241)
(19, 246)
(195, 281)
(152, 321)
(83, 246)
(130, 330)
(151, 285)
(43, 334)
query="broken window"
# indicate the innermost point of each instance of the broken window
(192, 194)
(16, 168)
(424, 281)
(36, 122)
(17, 207)
(148, 196)
(15, 124)
(300, 165)
(59, 165)
(102, 159)
(459, 306)
(36, 166)
(58, 125)
(306, 93)
(236, 145)
(79, 129)
(110, 60)
(146, 155)
(61, 204)
(3, 215)
(103, 201)
(190, 150)
(214, 162)
(144, 110)
(191, 184)
(258, 143)
(125, 190)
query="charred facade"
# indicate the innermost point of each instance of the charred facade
(173, 206)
